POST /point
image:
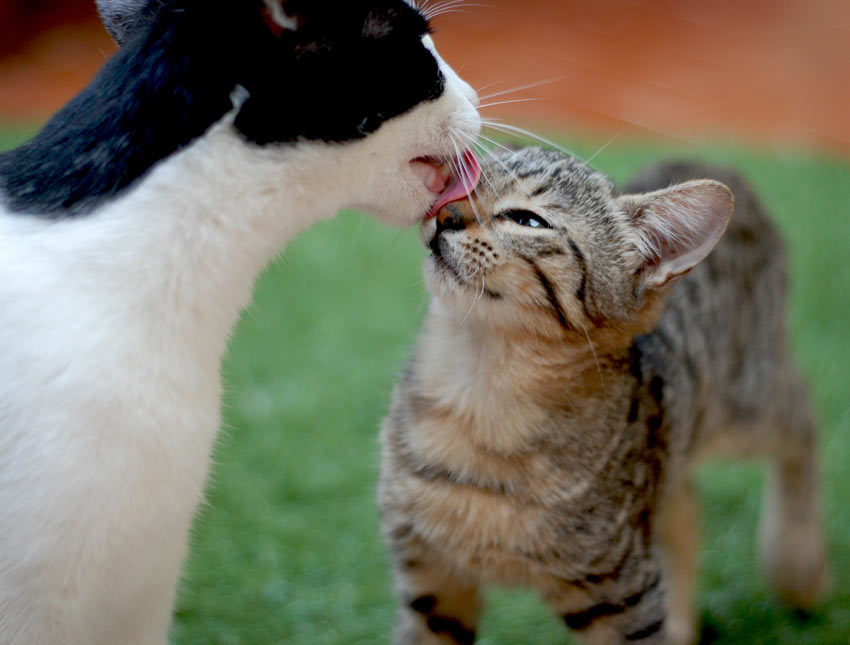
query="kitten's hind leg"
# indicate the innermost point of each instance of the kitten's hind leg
(678, 531)
(439, 607)
(791, 542)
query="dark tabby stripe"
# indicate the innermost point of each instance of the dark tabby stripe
(551, 295)
(583, 619)
(436, 473)
(581, 292)
(451, 627)
(539, 190)
(424, 604)
(645, 632)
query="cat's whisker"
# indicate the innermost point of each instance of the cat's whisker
(451, 6)
(521, 87)
(495, 157)
(495, 143)
(489, 105)
(484, 87)
(515, 130)
(512, 129)
(482, 150)
(466, 177)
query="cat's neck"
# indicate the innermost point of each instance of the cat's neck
(184, 247)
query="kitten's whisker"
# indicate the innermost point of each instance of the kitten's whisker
(522, 87)
(607, 143)
(475, 300)
(595, 358)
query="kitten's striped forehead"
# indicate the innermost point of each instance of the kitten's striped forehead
(548, 177)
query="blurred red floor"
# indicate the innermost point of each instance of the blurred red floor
(769, 71)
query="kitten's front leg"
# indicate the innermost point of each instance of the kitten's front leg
(439, 606)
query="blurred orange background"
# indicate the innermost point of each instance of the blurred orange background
(773, 72)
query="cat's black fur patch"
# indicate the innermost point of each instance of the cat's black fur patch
(174, 78)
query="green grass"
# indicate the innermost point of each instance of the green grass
(288, 548)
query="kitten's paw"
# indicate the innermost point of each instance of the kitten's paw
(680, 632)
(796, 566)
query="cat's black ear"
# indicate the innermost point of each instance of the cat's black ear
(122, 17)
(678, 226)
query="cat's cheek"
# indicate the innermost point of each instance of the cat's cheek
(403, 203)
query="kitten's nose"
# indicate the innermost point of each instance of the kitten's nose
(450, 218)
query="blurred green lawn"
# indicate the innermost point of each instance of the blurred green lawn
(288, 548)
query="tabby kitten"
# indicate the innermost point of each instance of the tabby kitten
(566, 382)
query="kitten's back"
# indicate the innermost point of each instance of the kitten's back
(725, 319)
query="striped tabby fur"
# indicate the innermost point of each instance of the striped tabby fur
(565, 383)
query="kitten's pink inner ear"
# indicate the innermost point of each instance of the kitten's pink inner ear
(679, 226)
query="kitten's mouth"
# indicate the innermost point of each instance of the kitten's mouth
(450, 179)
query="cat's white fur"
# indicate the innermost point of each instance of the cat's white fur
(112, 329)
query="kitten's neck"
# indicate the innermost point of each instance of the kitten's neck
(501, 380)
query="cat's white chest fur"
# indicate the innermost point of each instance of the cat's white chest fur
(113, 328)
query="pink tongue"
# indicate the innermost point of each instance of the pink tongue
(469, 175)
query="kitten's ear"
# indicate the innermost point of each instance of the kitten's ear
(678, 226)
(276, 18)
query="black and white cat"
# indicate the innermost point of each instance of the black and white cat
(131, 231)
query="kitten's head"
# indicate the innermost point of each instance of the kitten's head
(358, 79)
(547, 245)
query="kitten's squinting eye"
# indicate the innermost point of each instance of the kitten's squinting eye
(526, 218)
